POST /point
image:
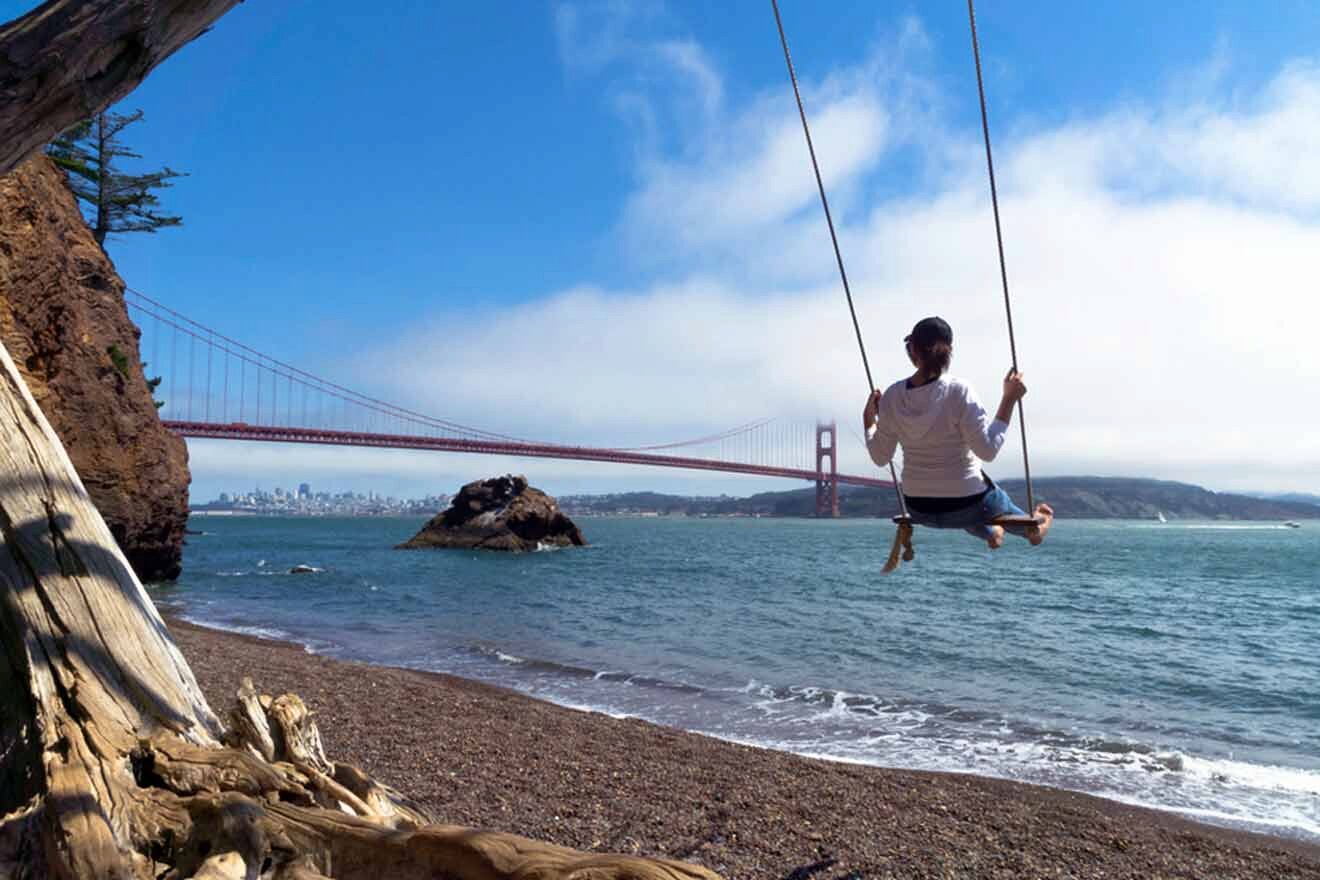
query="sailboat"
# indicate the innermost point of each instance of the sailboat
(1159, 515)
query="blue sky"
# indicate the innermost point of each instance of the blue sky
(389, 197)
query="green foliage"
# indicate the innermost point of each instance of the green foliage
(115, 201)
(152, 384)
(119, 359)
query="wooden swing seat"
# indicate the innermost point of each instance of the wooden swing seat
(1024, 520)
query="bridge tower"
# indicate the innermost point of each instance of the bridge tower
(827, 483)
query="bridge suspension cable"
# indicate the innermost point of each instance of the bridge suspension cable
(162, 313)
(703, 441)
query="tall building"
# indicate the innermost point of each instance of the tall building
(304, 490)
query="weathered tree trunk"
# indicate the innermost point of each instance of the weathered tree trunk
(111, 763)
(69, 59)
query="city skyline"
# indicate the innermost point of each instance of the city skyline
(304, 501)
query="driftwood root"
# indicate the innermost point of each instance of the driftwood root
(299, 816)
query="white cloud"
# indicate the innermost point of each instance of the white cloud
(690, 60)
(749, 178)
(1264, 151)
(617, 38)
(739, 188)
(1162, 261)
(1252, 148)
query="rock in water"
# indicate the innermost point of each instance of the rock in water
(502, 513)
(64, 322)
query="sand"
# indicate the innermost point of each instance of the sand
(478, 755)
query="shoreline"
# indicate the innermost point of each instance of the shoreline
(480, 755)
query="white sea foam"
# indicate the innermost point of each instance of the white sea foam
(315, 646)
(1292, 820)
(1261, 776)
(1129, 781)
(1228, 792)
(261, 632)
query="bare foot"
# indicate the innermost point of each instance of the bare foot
(996, 540)
(1036, 534)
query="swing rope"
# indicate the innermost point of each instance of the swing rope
(903, 539)
(838, 255)
(999, 239)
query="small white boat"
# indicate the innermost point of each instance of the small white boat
(1159, 515)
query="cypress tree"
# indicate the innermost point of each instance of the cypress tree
(115, 201)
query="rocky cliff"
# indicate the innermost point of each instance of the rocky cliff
(502, 513)
(63, 321)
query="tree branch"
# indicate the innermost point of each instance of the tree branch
(68, 59)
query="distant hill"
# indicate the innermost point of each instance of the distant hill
(1071, 497)
(1298, 497)
(1122, 497)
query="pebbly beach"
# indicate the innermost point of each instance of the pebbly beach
(478, 755)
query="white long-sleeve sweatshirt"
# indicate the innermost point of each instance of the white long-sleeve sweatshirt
(944, 430)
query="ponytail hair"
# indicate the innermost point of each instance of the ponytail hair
(934, 358)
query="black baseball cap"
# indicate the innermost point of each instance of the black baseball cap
(929, 331)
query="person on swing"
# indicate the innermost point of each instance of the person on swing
(944, 430)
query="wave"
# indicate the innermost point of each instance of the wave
(1262, 776)
(275, 634)
(1208, 527)
(1232, 527)
(582, 672)
(855, 719)
(1276, 800)
(1140, 631)
(261, 632)
(269, 572)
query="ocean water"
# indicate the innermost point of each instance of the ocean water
(1175, 666)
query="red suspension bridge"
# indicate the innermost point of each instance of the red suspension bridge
(212, 386)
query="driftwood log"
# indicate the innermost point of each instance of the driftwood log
(112, 765)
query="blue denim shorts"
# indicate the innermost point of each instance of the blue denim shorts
(975, 519)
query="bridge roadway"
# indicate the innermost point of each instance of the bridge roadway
(242, 431)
